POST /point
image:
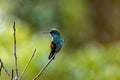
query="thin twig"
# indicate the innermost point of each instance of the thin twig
(27, 65)
(12, 75)
(15, 56)
(41, 71)
(5, 69)
(1, 66)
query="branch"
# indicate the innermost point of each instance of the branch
(27, 65)
(5, 69)
(12, 74)
(1, 66)
(15, 56)
(41, 71)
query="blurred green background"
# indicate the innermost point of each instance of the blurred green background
(90, 29)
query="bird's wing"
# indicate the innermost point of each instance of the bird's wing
(53, 50)
(53, 46)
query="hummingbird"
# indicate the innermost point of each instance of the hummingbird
(56, 43)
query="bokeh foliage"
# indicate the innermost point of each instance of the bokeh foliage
(90, 29)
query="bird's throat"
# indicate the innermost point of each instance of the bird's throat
(57, 40)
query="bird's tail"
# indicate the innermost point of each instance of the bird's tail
(51, 55)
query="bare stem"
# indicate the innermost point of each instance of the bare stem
(15, 56)
(12, 74)
(41, 71)
(27, 65)
(5, 69)
(0, 67)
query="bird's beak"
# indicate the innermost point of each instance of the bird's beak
(46, 32)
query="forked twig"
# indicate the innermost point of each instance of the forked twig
(15, 56)
(5, 69)
(27, 65)
(41, 71)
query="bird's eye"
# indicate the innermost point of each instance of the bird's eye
(52, 32)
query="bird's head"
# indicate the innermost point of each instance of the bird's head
(54, 32)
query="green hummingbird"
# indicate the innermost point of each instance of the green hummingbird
(56, 43)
